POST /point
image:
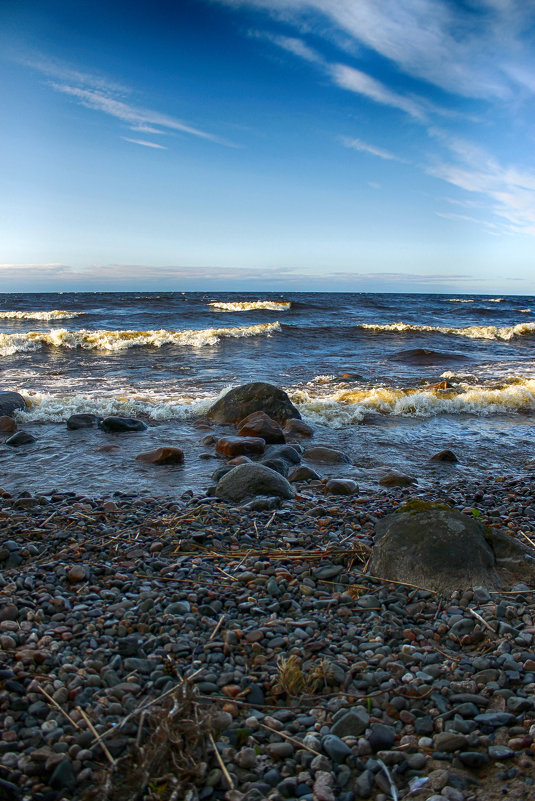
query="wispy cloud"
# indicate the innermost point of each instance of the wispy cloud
(509, 190)
(292, 45)
(104, 95)
(143, 142)
(363, 84)
(364, 147)
(477, 50)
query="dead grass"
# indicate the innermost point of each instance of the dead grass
(172, 759)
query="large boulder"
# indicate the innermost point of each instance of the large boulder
(260, 424)
(10, 402)
(255, 397)
(249, 480)
(435, 547)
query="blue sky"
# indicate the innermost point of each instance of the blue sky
(355, 145)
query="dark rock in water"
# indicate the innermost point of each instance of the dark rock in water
(116, 424)
(250, 480)
(163, 455)
(257, 396)
(259, 424)
(341, 486)
(423, 357)
(396, 480)
(221, 471)
(279, 465)
(321, 453)
(303, 473)
(7, 425)
(433, 546)
(11, 401)
(297, 428)
(77, 421)
(444, 456)
(20, 438)
(239, 446)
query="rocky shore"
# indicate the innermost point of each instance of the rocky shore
(154, 648)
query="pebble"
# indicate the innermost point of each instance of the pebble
(387, 678)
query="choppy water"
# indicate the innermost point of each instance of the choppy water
(360, 367)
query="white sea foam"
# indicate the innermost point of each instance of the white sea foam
(524, 311)
(124, 339)
(346, 407)
(458, 300)
(251, 305)
(55, 314)
(472, 332)
(494, 300)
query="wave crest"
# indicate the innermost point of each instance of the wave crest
(122, 340)
(505, 333)
(347, 407)
(55, 314)
(246, 305)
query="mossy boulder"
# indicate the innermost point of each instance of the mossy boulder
(433, 546)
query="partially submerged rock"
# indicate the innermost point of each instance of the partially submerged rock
(444, 456)
(119, 424)
(435, 547)
(11, 401)
(20, 438)
(322, 453)
(256, 396)
(341, 486)
(303, 473)
(77, 421)
(239, 446)
(7, 425)
(164, 455)
(297, 428)
(249, 480)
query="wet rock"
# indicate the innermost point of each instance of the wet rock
(239, 446)
(256, 396)
(303, 473)
(119, 424)
(249, 480)
(341, 486)
(322, 453)
(444, 456)
(424, 357)
(7, 425)
(297, 428)
(437, 548)
(11, 401)
(164, 455)
(397, 480)
(77, 421)
(259, 424)
(279, 465)
(20, 438)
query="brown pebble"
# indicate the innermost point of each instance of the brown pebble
(7, 425)
(76, 574)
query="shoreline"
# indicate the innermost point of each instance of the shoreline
(106, 605)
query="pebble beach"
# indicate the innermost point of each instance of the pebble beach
(187, 648)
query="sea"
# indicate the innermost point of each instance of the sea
(391, 379)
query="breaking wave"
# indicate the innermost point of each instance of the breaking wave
(348, 406)
(122, 340)
(246, 305)
(55, 314)
(458, 300)
(472, 332)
